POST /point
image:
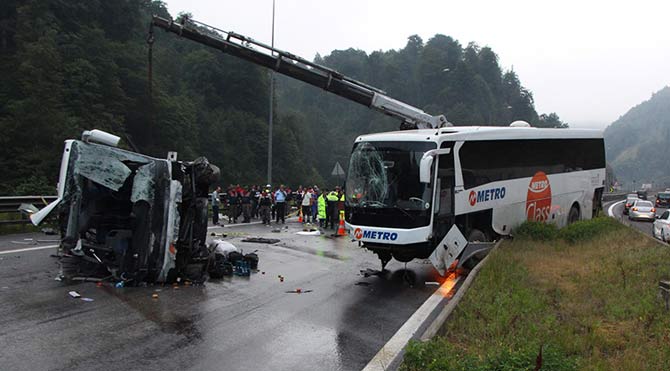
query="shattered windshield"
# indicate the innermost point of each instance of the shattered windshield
(386, 175)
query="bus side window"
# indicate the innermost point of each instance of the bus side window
(446, 183)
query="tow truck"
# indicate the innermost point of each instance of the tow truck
(433, 190)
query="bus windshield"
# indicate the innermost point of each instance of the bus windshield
(386, 175)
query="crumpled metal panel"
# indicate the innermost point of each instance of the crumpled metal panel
(104, 165)
(143, 184)
(172, 230)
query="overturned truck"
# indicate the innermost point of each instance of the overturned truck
(130, 217)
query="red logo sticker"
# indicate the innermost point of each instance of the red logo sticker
(472, 198)
(538, 201)
(358, 234)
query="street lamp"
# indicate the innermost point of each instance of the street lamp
(272, 89)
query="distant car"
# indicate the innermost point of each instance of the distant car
(663, 199)
(661, 229)
(642, 210)
(630, 200)
(642, 194)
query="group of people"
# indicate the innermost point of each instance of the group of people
(268, 204)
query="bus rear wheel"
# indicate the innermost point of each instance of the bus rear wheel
(573, 215)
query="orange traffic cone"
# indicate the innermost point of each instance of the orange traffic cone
(340, 229)
(300, 216)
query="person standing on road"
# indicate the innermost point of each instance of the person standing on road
(233, 203)
(215, 206)
(322, 208)
(280, 204)
(315, 202)
(306, 206)
(265, 203)
(246, 205)
(255, 198)
(331, 209)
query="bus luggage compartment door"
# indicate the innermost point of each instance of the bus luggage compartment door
(448, 250)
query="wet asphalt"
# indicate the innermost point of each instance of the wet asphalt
(643, 226)
(236, 323)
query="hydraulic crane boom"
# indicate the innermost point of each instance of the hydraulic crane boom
(301, 69)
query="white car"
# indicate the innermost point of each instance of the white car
(661, 228)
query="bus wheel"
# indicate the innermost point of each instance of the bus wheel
(573, 215)
(475, 235)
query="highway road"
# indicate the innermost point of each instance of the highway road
(615, 210)
(237, 323)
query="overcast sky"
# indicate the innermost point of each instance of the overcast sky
(588, 61)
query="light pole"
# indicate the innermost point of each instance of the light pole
(272, 90)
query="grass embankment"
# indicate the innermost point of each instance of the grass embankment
(586, 294)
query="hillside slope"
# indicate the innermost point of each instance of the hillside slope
(637, 142)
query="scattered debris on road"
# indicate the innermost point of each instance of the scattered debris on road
(269, 241)
(74, 294)
(362, 283)
(309, 233)
(371, 272)
(298, 291)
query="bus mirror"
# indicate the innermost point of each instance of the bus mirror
(427, 163)
(424, 169)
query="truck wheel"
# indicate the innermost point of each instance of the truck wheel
(573, 215)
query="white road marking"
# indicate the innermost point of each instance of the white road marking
(28, 249)
(391, 350)
(610, 211)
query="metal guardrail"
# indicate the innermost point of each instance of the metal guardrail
(613, 196)
(11, 204)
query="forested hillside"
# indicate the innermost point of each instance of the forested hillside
(637, 142)
(67, 66)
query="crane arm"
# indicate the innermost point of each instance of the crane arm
(301, 69)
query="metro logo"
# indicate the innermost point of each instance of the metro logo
(472, 198)
(538, 199)
(486, 195)
(375, 235)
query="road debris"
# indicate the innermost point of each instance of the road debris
(309, 233)
(432, 283)
(261, 240)
(298, 291)
(87, 299)
(154, 296)
(49, 231)
(371, 272)
(74, 294)
(362, 283)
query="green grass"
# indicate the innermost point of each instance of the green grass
(586, 294)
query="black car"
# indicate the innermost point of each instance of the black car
(663, 199)
(642, 195)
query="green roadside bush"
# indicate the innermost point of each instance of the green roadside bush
(536, 231)
(582, 230)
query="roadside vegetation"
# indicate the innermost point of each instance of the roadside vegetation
(587, 295)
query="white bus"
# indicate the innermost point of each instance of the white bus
(425, 193)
